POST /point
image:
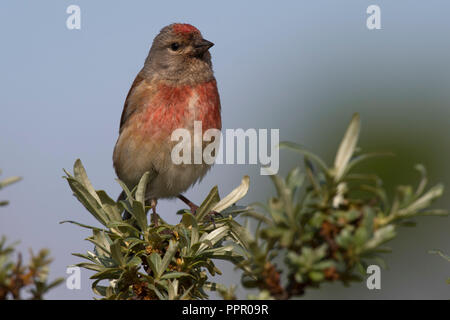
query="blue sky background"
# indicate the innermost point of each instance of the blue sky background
(301, 66)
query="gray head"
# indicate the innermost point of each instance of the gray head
(179, 54)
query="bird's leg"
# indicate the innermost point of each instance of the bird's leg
(153, 203)
(192, 206)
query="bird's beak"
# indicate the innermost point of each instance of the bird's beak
(202, 45)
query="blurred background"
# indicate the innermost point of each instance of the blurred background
(302, 67)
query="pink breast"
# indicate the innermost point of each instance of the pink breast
(169, 109)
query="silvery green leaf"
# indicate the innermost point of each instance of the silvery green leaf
(188, 220)
(88, 200)
(234, 196)
(423, 202)
(207, 205)
(284, 193)
(109, 273)
(112, 208)
(141, 188)
(160, 295)
(100, 248)
(116, 253)
(8, 181)
(168, 256)
(127, 206)
(312, 176)
(173, 290)
(438, 252)
(344, 238)
(240, 234)
(123, 224)
(102, 242)
(287, 237)
(125, 189)
(138, 212)
(80, 175)
(185, 295)
(214, 236)
(234, 211)
(91, 266)
(100, 290)
(90, 256)
(346, 148)
(194, 235)
(220, 250)
(339, 197)
(81, 225)
(380, 236)
(176, 275)
(279, 184)
(361, 236)
(154, 261)
(295, 178)
(423, 181)
(298, 148)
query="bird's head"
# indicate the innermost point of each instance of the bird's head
(180, 53)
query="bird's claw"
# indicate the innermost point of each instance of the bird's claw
(211, 215)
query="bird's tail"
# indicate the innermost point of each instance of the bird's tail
(125, 214)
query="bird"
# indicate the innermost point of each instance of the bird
(175, 87)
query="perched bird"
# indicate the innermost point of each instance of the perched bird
(175, 87)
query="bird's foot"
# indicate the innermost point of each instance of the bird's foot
(193, 208)
(155, 217)
(213, 214)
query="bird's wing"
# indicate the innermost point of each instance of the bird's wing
(130, 108)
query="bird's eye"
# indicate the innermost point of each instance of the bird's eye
(175, 46)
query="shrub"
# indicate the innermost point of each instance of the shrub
(15, 277)
(325, 223)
